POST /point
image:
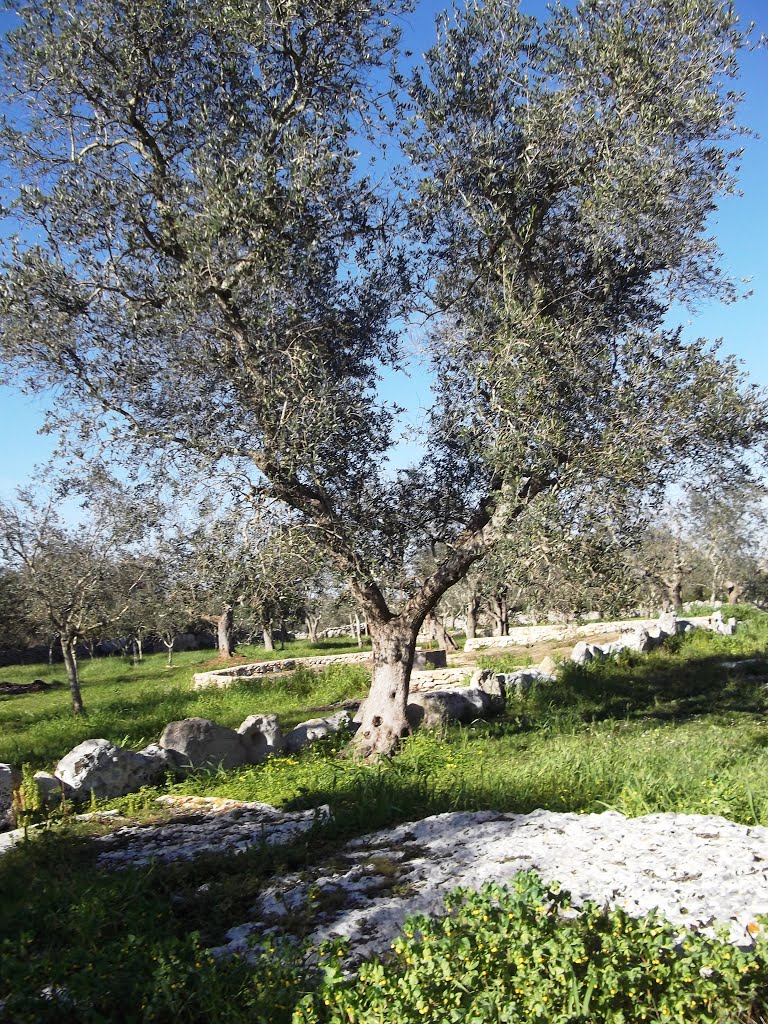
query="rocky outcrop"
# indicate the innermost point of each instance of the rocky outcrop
(695, 869)
(100, 768)
(217, 826)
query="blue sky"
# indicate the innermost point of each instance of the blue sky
(741, 227)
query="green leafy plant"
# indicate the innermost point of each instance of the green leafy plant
(524, 955)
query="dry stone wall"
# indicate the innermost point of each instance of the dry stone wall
(225, 677)
(527, 636)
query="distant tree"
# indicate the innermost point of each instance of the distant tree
(204, 254)
(728, 526)
(18, 627)
(74, 576)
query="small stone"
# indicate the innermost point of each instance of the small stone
(10, 780)
(316, 729)
(548, 666)
(51, 789)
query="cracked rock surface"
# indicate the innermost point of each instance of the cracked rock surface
(695, 869)
(211, 826)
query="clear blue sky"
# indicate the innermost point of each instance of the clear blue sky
(741, 227)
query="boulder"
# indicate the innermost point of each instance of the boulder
(316, 729)
(10, 780)
(548, 667)
(199, 743)
(169, 758)
(262, 733)
(582, 652)
(432, 710)
(50, 788)
(668, 622)
(522, 680)
(640, 641)
(100, 768)
(493, 684)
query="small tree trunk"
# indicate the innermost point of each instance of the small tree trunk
(282, 634)
(358, 631)
(312, 622)
(50, 653)
(267, 631)
(225, 632)
(473, 607)
(675, 592)
(384, 720)
(500, 615)
(169, 646)
(73, 676)
(439, 633)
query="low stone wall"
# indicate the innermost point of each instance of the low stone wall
(224, 677)
(439, 678)
(527, 636)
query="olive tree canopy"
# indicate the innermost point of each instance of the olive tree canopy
(212, 253)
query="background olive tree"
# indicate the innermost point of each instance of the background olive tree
(206, 257)
(75, 563)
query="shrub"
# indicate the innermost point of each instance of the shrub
(523, 955)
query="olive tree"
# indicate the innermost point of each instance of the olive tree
(76, 576)
(205, 256)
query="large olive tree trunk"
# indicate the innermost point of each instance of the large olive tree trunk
(384, 720)
(73, 676)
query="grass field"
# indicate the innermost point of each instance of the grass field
(130, 704)
(683, 729)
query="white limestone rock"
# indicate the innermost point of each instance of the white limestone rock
(10, 780)
(316, 729)
(227, 827)
(494, 684)
(548, 667)
(695, 869)
(100, 768)
(583, 652)
(523, 680)
(51, 789)
(262, 733)
(199, 743)
(433, 710)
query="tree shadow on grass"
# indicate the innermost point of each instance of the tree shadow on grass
(660, 686)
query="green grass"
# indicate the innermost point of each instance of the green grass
(131, 704)
(673, 731)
